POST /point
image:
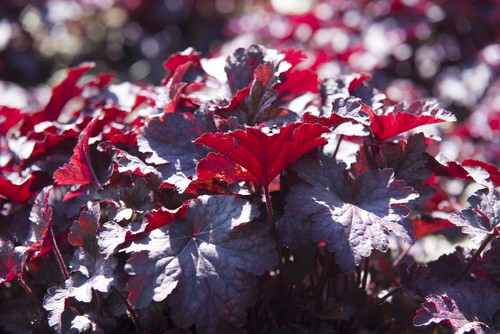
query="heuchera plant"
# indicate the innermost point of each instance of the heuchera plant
(230, 199)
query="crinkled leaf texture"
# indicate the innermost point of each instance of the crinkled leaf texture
(482, 217)
(354, 214)
(254, 155)
(467, 306)
(204, 263)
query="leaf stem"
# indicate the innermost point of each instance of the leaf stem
(401, 256)
(365, 273)
(30, 292)
(337, 147)
(125, 302)
(59, 257)
(478, 252)
(269, 207)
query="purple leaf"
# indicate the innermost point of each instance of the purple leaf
(83, 231)
(55, 302)
(168, 142)
(204, 263)
(240, 66)
(353, 213)
(467, 306)
(97, 275)
(89, 269)
(407, 158)
(482, 217)
(491, 261)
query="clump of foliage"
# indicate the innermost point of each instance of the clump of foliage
(242, 195)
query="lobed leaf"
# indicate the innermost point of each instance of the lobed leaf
(253, 155)
(482, 217)
(466, 307)
(204, 264)
(353, 213)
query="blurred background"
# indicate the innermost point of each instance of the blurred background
(413, 48)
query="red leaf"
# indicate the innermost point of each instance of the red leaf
(403, 117)
(8, 118)
(298, 82)
(457, 170)
(261, 157)
(188, 56)
(79, 170)
(65, 91)
(163, 216)
(491, 169)
(428, 225)
(217, 166)
(358, 80)
(25, 190)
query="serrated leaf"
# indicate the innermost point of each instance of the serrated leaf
(353, 213)
(187, 57)
(257, 156)
(55, 302)
(482, 217)
(467, 306)
(126, 163)
(204, 264)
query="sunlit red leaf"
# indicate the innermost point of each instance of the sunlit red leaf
(79, 170)
(427, 225)
(26, 189)
(406, 116)
(257, 156)
(65, 91)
